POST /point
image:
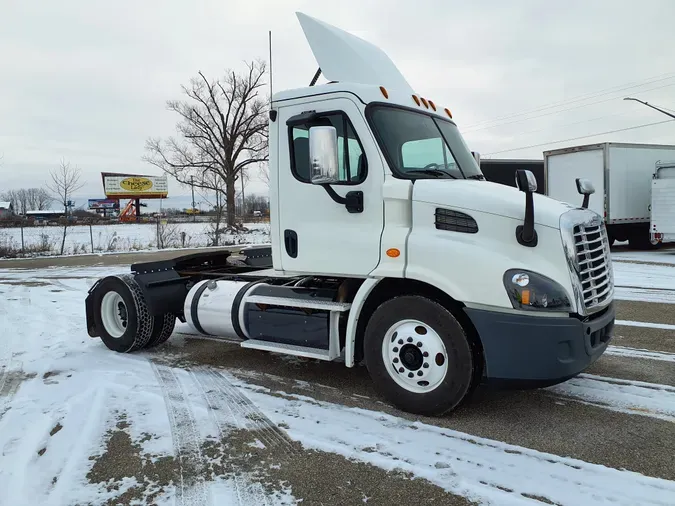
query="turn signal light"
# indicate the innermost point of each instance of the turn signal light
(393, 252)
(525, 297)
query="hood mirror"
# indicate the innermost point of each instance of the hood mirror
(527, 183)
(585, 188)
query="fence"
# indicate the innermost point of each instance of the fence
(161, 233)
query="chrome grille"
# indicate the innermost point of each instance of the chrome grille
(593, 263)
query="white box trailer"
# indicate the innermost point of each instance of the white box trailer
(634, 187)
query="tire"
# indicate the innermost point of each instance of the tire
(434, 327)
(134, 328)
(162, 330)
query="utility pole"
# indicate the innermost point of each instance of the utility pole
(243, 200)
(652, 106)
(192, 184)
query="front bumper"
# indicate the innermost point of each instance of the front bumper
(533, 351)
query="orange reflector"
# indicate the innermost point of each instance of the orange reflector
(384, 92)
(447, 111)
(525, 297)
(433, 106)
(424, 101)
(417, 100)
(393, 252)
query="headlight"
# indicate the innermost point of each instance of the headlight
(531, 291)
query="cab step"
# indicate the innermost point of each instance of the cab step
(287, 349)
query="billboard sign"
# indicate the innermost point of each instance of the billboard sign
(128, 186)
(104, 204)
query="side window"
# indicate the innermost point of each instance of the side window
(352, 164)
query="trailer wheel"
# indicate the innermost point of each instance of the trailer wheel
(418, 355)
(121, 314)
(162, 330)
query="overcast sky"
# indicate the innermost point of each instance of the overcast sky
(87, 81)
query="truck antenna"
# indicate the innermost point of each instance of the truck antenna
(316, 77)
(270, 44)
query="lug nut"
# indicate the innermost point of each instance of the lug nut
(426, 366)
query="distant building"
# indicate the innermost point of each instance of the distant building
(6, 210)
(46, 214)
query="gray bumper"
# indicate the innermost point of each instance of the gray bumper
(532, 351)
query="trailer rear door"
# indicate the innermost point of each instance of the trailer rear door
(663, 200)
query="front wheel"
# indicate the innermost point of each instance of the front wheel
(418, 355)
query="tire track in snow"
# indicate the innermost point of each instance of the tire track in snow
(219, 408)
(246, 414)
(625, 396)
(192, 488)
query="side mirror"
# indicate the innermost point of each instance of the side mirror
(525, 181)
(323, 155)
(585, 188)
(526, 235)
(476, 156)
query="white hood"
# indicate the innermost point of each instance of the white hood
(344, 57)
(488, 197)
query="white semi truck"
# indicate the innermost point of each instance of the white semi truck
(389, 248)
(635, 185)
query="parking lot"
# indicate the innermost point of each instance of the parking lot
(209, 422)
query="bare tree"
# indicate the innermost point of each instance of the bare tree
(265, 174)
(38, 199)
(28, 199)
(65, 182)
(222, 130)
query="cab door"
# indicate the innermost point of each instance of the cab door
(316, 234)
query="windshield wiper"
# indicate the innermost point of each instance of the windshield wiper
(432, 172)
(479, 177)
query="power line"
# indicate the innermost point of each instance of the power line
(580, 137)
(586, 96)
(464, 130)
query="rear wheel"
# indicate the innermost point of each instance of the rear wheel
(122, 317)
(418, 355)
(162, 330)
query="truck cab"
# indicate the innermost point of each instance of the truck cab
(389, 248)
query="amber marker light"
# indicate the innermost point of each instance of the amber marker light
(393, 252)
(417, 100)
(384, 92)
(447, 111)
(525, 297)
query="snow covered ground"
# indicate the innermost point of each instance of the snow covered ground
(80, 424)
(125, 237)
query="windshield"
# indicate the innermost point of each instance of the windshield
(419, 145)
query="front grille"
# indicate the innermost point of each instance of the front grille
(594, 263)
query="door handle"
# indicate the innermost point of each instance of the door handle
(291, 242)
